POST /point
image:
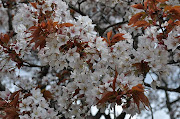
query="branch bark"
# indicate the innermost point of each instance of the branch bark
(122, 115)
(2, 87)
(165, 88)
(168, 103)
(114, 25)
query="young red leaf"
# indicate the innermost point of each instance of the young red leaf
(136, 99)
(4, 38)
(76, 92)
(118, 37)
(138, 96)
(2, 103)
(65, 25)
(47, 94)
(13, 95)
(135, 18)
(105, 97)
(11, 113)
(15, 100)
(34, 5)
(170, 26)
(109, 34)
(141, 23)
(114, 81)
(175, 13)
(177, 23)
(142, 67)
(146, 4)
(138, 6)
(139, 88)
(40, 42)
(32, 28)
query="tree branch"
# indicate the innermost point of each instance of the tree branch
(2, 88)
(77, 10)
(115, 25)
(122, 115)
(178, 99)
(30, 65)
(165, 88)
(168, 102)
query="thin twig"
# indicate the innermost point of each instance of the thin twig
(114, 111)
(114, 25)
(168, 102)
(165, 88)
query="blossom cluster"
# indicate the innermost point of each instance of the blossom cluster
(102, 71)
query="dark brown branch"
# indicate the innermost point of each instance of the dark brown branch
(168, 102)
(115, 25)
(168, 105)
(44, 71)
(165, 88)
(122, 115)
(173, 62)
(178, 99)
(27, 64)
(77, 10)
(2, 88)
(8, 5)
(10, 20)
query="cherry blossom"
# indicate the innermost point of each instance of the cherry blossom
(80, 66)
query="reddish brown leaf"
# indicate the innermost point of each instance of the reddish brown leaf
(43, 25)
(170, 26)
(142, 67)
(175, 13)
(116, 38)
(4, 38)
(13, 95)
(34, 5)
(47, 94)
(138, 6)
(15, 100)
(135, 18)
(138, 96)
(141, 23)
(65, 25)
(104, 39)
(40, 41)
(139, 88)
(114, 81)
(144, 99)
(32, 28)
(177, 23)
(76, 92)
(145, 3)
(176, 7)
(2, 103)
(105, 97)
(167, 8)
(109, 34)
(11, 113)
(136, 99)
